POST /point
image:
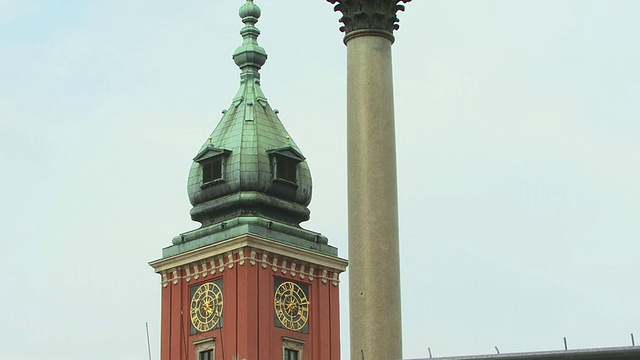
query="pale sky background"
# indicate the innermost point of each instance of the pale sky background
(518, 162)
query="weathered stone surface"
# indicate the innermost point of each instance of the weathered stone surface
(374, 275)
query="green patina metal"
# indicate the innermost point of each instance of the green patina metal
(243, 157)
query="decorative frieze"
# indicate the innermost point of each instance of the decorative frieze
(311, 272)
(219, 263)
(230, 262)
(204, 271)
(241, 257)
(369, 17)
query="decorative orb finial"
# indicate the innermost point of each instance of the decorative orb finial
(250, 56)
(249, 9)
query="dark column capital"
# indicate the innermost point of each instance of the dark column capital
(368, 17)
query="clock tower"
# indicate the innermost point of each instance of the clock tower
(250, 283)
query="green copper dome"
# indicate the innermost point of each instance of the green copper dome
(249, 165)
(249, 176)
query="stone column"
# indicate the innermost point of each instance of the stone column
(374, 263)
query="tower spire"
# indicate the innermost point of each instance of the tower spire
(250, 173)
(250, 56)
(250, 272)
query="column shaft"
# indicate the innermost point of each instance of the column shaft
(374, 270)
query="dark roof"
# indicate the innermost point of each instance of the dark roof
(622, 353)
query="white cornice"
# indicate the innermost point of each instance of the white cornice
(263, 245)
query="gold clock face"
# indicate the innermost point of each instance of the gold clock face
(292, 305)
(206, 307)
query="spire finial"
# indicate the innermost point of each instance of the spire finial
(250, 56)
(249, 11)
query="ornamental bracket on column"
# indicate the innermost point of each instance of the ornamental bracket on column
(368, 17)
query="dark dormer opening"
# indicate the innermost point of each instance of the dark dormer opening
(212, 170)
(212, 160)
(284, 164)
(286, 168)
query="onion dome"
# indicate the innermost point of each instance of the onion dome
(250, 167)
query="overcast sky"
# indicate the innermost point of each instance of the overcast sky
(518, 163)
